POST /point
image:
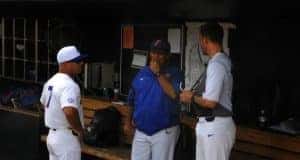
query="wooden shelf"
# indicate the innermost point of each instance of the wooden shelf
(268, 144)
(276, 140)
(265, 151)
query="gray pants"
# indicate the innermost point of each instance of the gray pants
(159, 146)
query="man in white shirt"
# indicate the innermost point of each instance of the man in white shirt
(63, 112)
(215, 131)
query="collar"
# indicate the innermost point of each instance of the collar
(216, 55)
(148, 70)
(64, 75)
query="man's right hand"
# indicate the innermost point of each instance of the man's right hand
(155, 67)
(186, 96)
(80, 135)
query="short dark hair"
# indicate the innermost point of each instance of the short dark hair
(213, 31)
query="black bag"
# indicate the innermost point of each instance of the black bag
(104, 129)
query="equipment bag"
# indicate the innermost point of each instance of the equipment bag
(104, 129)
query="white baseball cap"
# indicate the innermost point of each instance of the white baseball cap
(69, 54)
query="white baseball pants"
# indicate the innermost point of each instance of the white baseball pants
(215, 139)
(159, 146)
(63, 145)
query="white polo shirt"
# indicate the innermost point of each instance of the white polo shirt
(219, 80)
(58, 92)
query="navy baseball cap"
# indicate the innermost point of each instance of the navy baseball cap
(70, 54)
(160, 46)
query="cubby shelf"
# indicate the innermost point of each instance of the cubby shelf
(25, 50)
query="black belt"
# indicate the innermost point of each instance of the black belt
(210, 114)
(207, 118)
(73, 132)
(203, 112)
(210, 118)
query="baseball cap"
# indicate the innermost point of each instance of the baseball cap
(70, 54)
(160, 46)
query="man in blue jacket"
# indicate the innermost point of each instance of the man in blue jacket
(154, 97)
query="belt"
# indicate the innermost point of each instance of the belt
(73, 132)
(216, 121)
(207, 118)
(210, 116)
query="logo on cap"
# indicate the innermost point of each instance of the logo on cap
(160, 46)
(157, 42)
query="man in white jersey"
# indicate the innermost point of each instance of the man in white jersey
(215, 131)
(63, 112)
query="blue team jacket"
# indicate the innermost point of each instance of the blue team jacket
(153, 109)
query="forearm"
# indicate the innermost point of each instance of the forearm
(163, 80)
(189, 97)
(72, 116)
(204, 102)
(167, 87)
(131, 111)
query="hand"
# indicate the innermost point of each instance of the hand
(155, 67)
(186, 96)
(79, 134)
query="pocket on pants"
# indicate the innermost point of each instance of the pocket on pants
(204, 130)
